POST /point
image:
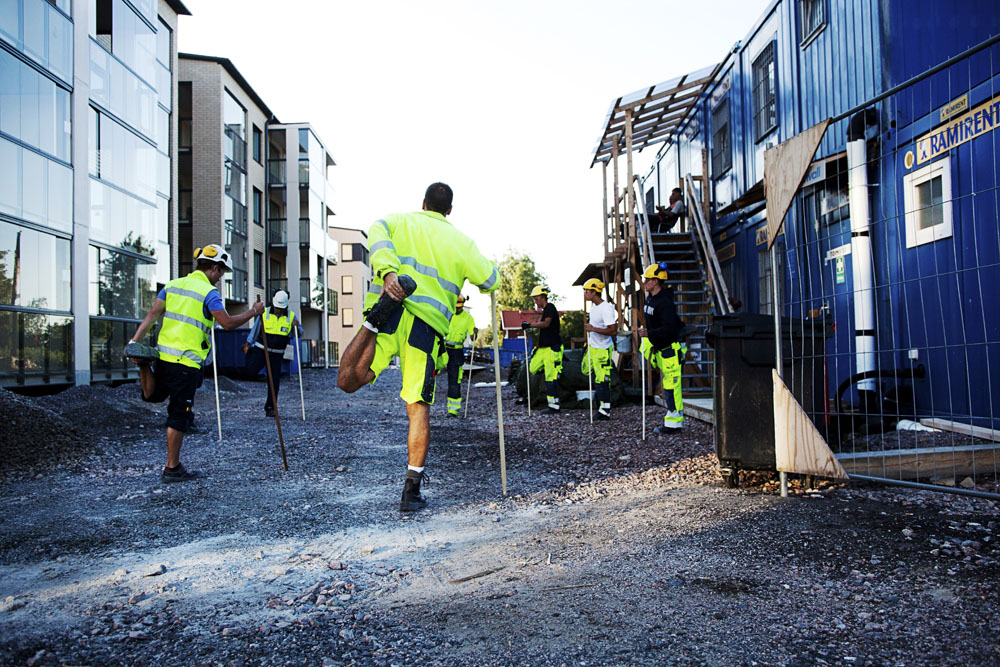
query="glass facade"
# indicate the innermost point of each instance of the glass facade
(235, 287)
(127, 127)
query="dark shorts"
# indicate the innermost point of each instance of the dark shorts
(178, 383)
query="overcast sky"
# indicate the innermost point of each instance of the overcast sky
(504, 101)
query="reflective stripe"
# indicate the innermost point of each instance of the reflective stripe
(431, 272)
(269, 349)
(433, 303)
(187, 354)
(180, 291)
(374, 289)
(491, 281)
(187, 320)
(383, 223)
(382, 244)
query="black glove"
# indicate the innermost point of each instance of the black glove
(525, 325)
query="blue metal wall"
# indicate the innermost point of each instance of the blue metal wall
(939, 298)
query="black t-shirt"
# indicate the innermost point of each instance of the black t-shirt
(549, 336)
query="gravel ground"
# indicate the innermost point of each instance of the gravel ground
(607, 549)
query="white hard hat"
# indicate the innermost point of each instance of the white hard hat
(215, 253)
(280, 299)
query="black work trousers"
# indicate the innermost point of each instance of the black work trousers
(255, 362)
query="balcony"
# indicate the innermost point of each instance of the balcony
(304, 173)
(277, 234)
(235, 147)
(236, 221)
(276, 172)
(236, 286)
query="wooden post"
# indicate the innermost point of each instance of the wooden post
(607, 237)
(270, 386)
(616, 223)
(706, 200)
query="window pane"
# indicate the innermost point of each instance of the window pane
(34, 184)
(348, 317)
(10, 93)
(34, 269)
(347, 284)
(10, 184)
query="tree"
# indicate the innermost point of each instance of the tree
(571, 326)
(518, 276)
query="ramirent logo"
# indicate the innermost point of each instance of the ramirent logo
(979, 120)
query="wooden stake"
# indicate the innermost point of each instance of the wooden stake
(496, 372)
(270, 385)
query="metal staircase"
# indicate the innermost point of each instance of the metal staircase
(694, 305)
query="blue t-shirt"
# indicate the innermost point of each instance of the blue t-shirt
(213, 301)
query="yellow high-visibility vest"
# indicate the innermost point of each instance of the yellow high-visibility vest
(461, 326)
(428, 248)
(185, 334)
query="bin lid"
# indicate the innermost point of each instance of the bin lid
(756, 325)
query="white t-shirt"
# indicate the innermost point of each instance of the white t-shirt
(601, 316)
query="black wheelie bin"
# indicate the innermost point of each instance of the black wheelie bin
(743, 398)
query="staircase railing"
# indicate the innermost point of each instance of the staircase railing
(702, 236)
(643, 235)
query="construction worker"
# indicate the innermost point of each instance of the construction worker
(601, 328)
(662, 345)
(548, 353)
(420, 262)
(188, 306)
(278, 324)
(462, 325)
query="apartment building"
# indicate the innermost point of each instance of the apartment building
(352, 278)
(221, 172)
(87, 202)
(242, 176)
(300, 251)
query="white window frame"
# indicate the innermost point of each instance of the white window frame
(915, 236)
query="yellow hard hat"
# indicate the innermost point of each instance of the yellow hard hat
(540, 290)
(658, 271)
(594, 284)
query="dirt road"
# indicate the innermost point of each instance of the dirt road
(607, 550)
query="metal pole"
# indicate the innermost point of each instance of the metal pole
(270, 386)
(590, 367)
(527, 367)
(298, 362)
(496, 373)
(468, 391)
(642, 362)
(782, 476)
(215, 375)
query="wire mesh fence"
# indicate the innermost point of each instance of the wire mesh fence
(894, 244)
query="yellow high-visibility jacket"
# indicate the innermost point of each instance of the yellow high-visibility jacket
(462, 325)
(185, 334)
(428, 248)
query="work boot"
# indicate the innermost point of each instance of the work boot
(412, 500)
(385, 306)
(178, 474)
(452, 414)
(268, 412)
(601, 416)
(551, 411)
(141, 354)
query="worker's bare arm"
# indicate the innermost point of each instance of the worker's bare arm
(155, 312)
(228, 321)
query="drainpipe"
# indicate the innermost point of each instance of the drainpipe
(861, 253)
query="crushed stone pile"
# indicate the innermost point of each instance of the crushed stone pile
(79, 421)
(30, 432)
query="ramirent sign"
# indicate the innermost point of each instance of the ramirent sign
(968, 126)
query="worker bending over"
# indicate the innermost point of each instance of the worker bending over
(278, 322)
(662, 345)
(461, 327)
(549, 352)
(601, 328)
(173, 369)
(421, 263)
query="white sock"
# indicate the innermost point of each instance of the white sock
(415, 468)
(368, 325)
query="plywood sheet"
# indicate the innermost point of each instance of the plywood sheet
(785, 167)
(798, 446)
